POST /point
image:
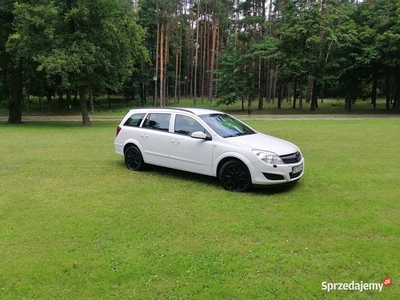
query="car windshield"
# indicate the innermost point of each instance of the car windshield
(226, 126)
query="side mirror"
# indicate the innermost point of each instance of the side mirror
(199, 135)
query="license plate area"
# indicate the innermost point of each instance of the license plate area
(297, 169)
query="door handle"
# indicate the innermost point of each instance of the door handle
(143, 135)
(175, 141)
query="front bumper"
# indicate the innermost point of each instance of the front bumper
(262, 174)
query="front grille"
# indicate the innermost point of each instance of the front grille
(291, 158)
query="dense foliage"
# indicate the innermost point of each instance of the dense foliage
(230, 50)
(74, 45)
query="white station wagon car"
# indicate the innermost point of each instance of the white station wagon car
(207, 142)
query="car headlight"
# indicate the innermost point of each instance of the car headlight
(268, 157)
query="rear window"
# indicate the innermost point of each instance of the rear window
(157, 121)
(135, 120)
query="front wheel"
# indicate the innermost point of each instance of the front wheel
(133, 158)
(235, 176)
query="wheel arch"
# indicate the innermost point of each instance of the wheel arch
(127, 145)
(229, 157)
(234, 174)
(132, 142)
(136, 144)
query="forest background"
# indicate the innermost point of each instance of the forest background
(225, 51)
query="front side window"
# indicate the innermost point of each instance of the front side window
(226, 126)
(157, 121)
(135, 120)
(186, 125)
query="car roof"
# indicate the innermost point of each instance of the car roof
(196, 111)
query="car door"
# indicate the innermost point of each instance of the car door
(187, 153)
(155, 138)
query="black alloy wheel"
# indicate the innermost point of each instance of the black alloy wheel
(133, 159)
(235, 176)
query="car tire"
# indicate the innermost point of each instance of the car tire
(235, 176)
(133, 158)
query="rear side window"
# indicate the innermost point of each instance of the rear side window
(157, 121)
(135, 120)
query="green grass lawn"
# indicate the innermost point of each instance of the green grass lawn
(76, 224)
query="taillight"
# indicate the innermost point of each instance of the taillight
(118, 130)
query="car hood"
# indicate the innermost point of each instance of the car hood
(265, 142)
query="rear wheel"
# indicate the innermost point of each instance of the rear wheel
(235, 176)
(133, 159)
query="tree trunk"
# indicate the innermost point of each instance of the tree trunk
(301, 94)
(188, 88)
(261, 84)
(237, 18)
(91, 100)
(314, 96)
(196, 58)
(180, 64)
(142, 87)
(204, 61)
(288, 93)
(396, 94)
(217, 63)
(274, 82)
(49, 102)
(176, 77)
(166, 60)
(373, 96)
(295, 93)
(15, 108)
(68, 95)
(212, 60)
(280, 95)
(348, 101)
(267, 83)
(156, 70)
(388, 92)
(84, 109)
(271, 85)
(309, 89)
(161, 94)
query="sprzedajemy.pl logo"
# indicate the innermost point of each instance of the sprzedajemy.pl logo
(356, 286)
